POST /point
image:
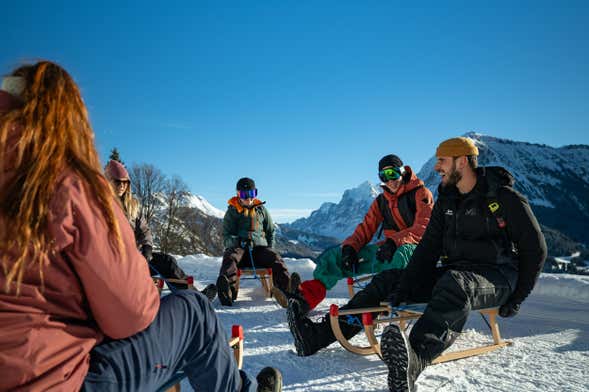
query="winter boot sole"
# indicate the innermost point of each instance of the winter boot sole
(393, 346)
(279, 296)
(269, 380)
(224, 291)
(210, 292)
(294, 282)
(299, 342)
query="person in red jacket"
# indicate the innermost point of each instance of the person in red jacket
(401, 211)
(79, 308)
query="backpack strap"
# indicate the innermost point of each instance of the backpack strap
(407, 208)
(388, 222)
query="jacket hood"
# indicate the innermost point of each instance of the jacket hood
(496, 176)
(489, 179)
(234, 201)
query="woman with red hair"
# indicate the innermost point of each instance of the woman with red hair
(78, 306)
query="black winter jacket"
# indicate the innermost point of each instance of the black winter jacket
(463, 233)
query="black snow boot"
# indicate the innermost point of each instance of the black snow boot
(269, 380)
(282, 296)
(224, 291)
(404, 365)
(309, 337)
(294, 282)
(210, 291)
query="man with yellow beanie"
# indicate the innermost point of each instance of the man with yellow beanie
(491, 251)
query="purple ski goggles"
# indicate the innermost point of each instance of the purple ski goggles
(249, 194)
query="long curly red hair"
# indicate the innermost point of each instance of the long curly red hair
(54, 134)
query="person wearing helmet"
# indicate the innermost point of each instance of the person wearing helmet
(248, 233)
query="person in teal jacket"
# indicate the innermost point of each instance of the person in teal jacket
(248, 232)
(402, 211)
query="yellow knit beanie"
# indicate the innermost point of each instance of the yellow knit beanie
(456, 147)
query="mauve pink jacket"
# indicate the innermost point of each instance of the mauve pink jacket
(90, 292)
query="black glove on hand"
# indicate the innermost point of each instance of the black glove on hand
(349, 258)
(147, 252)
(398, 297)
(247, 244)
(385, 252)
(509, 309)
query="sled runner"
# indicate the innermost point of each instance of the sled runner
(236, 343)
(403, 316)
(263, 274)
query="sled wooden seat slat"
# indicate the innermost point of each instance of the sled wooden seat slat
(159, 282)
(263, 274)
(236, 343)
(402, 316)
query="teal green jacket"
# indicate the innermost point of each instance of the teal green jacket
(329, 268)
(242, 224)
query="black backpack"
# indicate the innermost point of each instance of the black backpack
(407, 209)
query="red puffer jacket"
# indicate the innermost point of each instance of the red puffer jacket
(406, 235)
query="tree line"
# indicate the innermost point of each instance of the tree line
(164, 204)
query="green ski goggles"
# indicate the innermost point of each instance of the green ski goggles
(390, 173)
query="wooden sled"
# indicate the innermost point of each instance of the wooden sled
(236, 343)
(369, 324)
(263, 274)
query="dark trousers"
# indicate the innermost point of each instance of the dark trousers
(264, 257)
(185, 335)
(166, 265)
(450, 295)
(453, 296)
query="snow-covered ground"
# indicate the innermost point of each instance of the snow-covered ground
(550, 338)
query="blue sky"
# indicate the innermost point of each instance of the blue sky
(306, 96)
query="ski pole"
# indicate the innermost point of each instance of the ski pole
(249, 248)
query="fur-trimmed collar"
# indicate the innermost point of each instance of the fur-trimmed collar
(234, 201)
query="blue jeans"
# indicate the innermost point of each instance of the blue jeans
(185, 335)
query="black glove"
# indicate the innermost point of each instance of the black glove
(349, 258)
(509, 309)
(385, 252)
(398, 297)
(147, 252)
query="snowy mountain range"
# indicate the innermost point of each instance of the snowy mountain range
(339, 220)
(555, 180)
(200, 227)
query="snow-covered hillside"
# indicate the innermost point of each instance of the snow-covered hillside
(550, 337)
